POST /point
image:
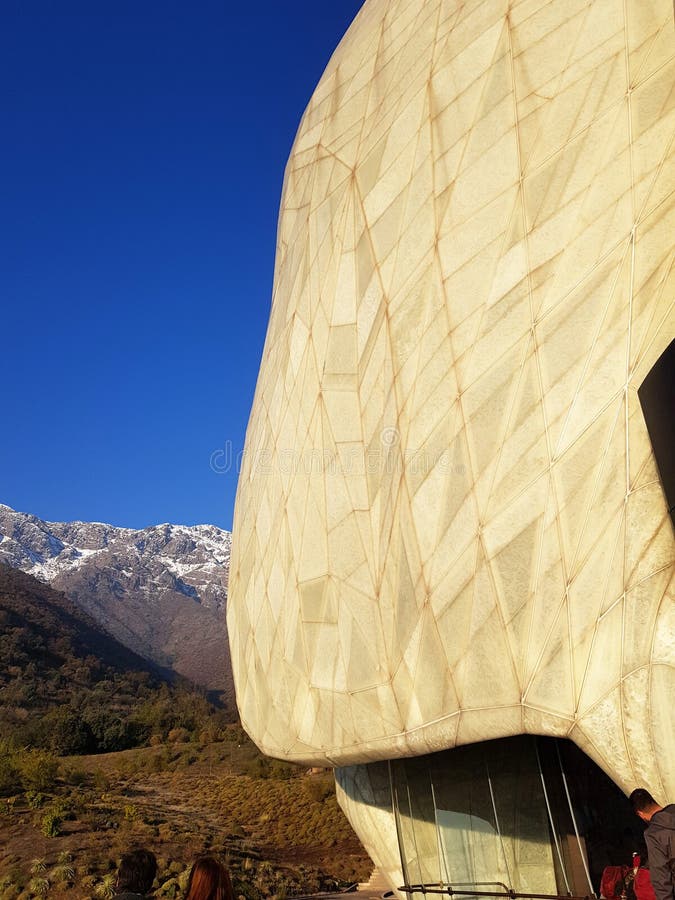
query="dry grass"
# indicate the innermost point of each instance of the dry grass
(278, 828)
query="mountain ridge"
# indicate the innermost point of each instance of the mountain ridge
(160, 590)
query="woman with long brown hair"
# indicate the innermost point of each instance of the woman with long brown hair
(209, 880)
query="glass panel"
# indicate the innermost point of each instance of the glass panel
(417, 824)
(572, 846)
(468, 835)
(404, 827)
(496, 816)
(523, 817)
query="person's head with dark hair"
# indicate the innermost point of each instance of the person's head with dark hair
(209, 880)
(136, 872)
(644, 805)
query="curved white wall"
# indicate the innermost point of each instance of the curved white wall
(449, 524)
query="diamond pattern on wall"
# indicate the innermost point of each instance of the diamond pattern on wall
(449, 524)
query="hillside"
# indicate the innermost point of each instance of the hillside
(159, 590)
(68, 686)
(189, 782)
(278, 828)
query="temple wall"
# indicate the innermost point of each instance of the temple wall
(449, 524)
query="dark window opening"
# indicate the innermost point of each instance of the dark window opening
(657, 397)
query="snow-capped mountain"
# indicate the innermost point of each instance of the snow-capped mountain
(160, 590)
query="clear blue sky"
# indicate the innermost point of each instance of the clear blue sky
(142, 157)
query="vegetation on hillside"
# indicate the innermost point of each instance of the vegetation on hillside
(99, 752)
(68, 687)
(277, 827)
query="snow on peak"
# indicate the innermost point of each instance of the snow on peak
(192, 554)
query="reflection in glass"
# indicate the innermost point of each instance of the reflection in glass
(510, 815)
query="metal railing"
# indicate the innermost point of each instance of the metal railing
(450, 891)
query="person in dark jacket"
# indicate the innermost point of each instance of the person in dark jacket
(135, 875)
(660, 840)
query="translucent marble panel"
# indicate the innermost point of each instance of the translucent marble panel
(449, 525)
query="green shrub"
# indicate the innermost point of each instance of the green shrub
(106, 888)
(63, 873)
(38, 769)
(39, 887)
(35, 799)
(63, 807)
(67, 732)
(51, 824)
(169, 889)
(109, 732)
(10, 780)
(8, 889)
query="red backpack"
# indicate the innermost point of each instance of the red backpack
(642, 882)
(627, 882)
(613, 882)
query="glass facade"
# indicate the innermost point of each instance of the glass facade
(523, 815)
